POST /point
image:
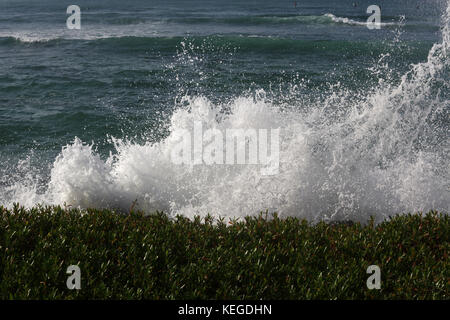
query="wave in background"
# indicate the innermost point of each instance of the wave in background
(348, 155)
(327, 18)
(126, 26)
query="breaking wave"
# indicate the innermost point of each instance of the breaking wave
(345, 155)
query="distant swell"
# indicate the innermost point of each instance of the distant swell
(213, 43)
(327, 18)
(110, 28)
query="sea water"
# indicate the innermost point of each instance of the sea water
(89, 117)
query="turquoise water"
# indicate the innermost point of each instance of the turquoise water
(372, 129)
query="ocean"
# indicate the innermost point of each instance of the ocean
(90, 117)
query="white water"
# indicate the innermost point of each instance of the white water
(349, 21)
(345, 157)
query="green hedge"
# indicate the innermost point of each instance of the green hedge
(132, 256)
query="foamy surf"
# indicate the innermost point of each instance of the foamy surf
(344, 20)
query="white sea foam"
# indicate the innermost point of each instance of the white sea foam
(88, 32)
(343, 157)
(349, 21)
